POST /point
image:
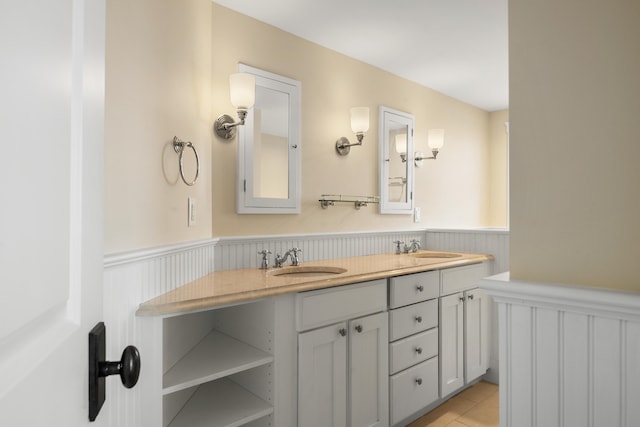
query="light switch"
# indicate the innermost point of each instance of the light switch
(191, 211)
(416, 215)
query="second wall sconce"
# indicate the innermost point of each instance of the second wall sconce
(242, 91)
(435, 142)
(359, 125)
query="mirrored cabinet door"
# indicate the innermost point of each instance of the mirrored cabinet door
(269, 147)
(395, 161)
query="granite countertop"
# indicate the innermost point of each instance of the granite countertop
(228, 287)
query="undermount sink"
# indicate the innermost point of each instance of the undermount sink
(432, 254)
(306, 271)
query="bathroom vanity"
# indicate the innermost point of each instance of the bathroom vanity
(372, 340)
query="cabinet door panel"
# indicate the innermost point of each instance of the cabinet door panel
(451, 344)
(476, 316)
(368, 371)
(322, 377)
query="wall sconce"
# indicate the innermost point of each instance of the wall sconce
(435, 141)
(242, 91)
(359, 125)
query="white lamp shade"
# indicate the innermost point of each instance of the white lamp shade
(436, 139)
(242, 90)
(401, 143)
(360, 119)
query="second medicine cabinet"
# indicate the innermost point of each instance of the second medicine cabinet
(395, 161)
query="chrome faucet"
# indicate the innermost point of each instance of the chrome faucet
(265, 259)
(291, 253)
(415, 245)
(398, 243)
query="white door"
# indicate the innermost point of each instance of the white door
(451, 343)
(369, 371)
(476, 333)
(322, 377)
(51, 125)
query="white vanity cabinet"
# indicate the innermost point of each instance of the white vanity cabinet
(220, 367)
(343, 356)
(413, 346)
(464, 327)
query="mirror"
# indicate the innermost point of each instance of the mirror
(269, 147)
(395, 150)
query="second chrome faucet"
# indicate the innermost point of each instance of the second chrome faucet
(292, 254)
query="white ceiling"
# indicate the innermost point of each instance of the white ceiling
(457, 47)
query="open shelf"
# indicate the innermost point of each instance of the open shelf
(221, 403)
(216, 356)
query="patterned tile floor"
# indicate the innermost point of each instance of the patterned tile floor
(475, 407)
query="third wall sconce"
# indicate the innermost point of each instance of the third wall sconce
(435, 141)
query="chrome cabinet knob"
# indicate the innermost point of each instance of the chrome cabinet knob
(461, 299)
(359, 328)
(419, 350)
(470, 296)
(419, 319)
(420, 288)
(419, 381)
(343, 332)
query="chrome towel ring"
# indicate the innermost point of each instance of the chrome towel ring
(179, 146)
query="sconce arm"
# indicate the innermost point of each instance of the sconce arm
(224, 126)
(343, 145)
(434, 152)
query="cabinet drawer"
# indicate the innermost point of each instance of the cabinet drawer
(413, 288)
(413, 389)
(332, 305)
(411, 319)
(413, 350)
(462, 278)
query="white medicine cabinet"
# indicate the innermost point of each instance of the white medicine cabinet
(395, 161)
(269, 147)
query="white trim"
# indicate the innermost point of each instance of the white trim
(479, 230)
(592, 301)
(116, 259)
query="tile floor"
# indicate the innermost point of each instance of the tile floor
(477, 406)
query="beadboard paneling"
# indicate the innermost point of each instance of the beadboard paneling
(483, 241)
(568, 355)
(130, 279)
(242, 252)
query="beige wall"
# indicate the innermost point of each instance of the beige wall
(498, 166)
(158, 85)
(575, 142)
(168, 63)
(453, 191)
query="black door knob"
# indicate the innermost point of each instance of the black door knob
(128, 367)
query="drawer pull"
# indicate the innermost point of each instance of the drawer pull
(343, 332)
(420, 288)
(419, 350)
(419, 381)
(359, 328)
(419, 319)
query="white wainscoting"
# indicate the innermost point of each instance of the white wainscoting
(134, 277)
(242, 252)
(482, 241)
(569, 356)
